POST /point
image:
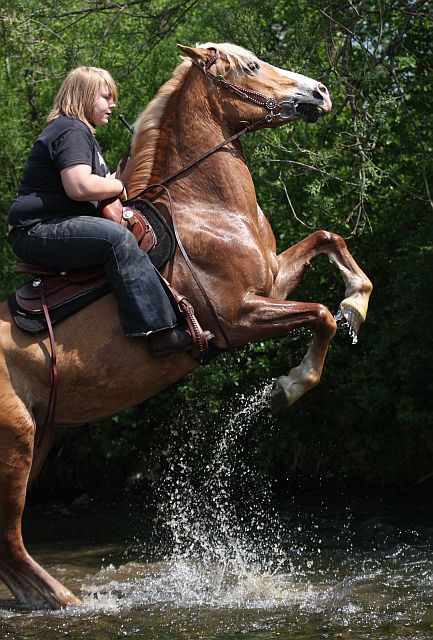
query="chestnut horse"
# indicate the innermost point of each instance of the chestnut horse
(213, 91)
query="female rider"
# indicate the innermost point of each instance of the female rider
(55, 220)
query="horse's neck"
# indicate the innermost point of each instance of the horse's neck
(191, 126)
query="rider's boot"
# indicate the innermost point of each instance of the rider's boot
(164, 343)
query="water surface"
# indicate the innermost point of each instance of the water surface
(351, 570)
(215, 558)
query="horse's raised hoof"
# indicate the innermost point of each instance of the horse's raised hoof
(278, 398)
(349, 317)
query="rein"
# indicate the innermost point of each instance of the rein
(163, 185)
(247, 129)
(209, 304)
(275, 112)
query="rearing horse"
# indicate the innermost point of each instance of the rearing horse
(213, 91)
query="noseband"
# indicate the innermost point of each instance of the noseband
(275, 108)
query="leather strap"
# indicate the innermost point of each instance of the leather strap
(188, 261)
(200, 344)
(48, 426)
(247, 129)
(275, 108)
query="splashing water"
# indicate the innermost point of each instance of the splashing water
(345, 325)
(233, 568)
(226, 541)
(353, 570)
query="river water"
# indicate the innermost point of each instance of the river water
(216, 558)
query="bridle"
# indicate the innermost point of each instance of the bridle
(275, 113)
(275, 108)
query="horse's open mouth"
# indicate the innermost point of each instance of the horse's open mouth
(309, 112)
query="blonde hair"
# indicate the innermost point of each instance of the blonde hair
(78, 93)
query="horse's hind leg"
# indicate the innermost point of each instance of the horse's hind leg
(29, 582)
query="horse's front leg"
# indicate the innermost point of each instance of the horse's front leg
(264, 319)
(293, 262)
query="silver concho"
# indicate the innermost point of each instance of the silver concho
(271, 103)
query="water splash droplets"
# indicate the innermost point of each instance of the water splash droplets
(343, 324)
(226, 541)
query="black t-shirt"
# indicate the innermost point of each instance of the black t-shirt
(63, 143)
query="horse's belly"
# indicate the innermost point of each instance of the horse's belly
(90, 395)
(100, 371)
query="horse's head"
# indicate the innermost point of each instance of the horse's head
(257, 88)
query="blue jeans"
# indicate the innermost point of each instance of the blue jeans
(85, 241)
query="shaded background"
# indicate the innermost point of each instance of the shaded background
(364, 172)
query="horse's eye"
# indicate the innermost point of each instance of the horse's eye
(252, 66)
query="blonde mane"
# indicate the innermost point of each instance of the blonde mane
(147, 126)
(238, 57)
(146, 131)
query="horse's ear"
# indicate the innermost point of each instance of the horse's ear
(199, 54)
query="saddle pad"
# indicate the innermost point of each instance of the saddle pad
(35, 322)
(58, 290)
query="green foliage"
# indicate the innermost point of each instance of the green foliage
(364, 172)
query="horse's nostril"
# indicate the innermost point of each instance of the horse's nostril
(321, 94)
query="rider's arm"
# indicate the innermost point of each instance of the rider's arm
(80, 184)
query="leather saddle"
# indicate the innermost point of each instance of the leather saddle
(52, 296)
(131, 218)
(66, 292)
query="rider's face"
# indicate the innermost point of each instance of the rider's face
(103, 107)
